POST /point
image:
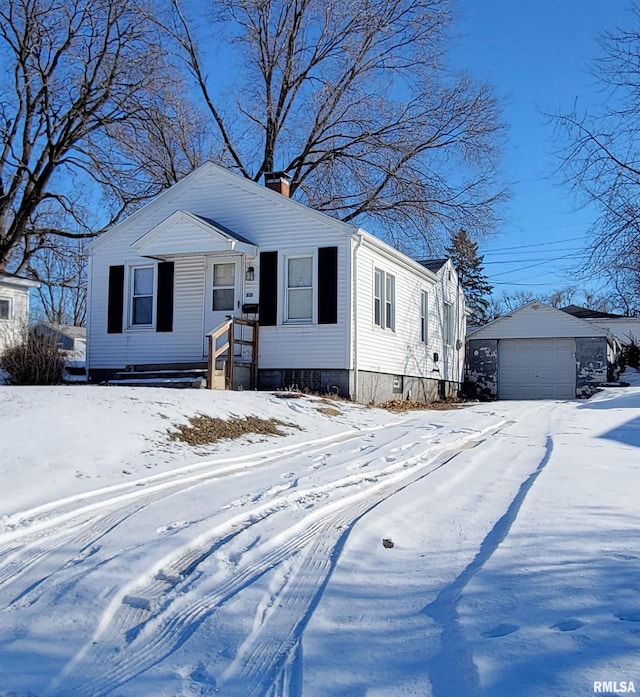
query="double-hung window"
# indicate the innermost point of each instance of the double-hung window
(424, 317)
(299, 289)
(448, 322)
(5, 308)
(142, 284)
(384, 300)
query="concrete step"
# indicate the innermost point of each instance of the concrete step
(160, 378)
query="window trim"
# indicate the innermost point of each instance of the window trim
(448, 329)
(9, 316)
(232, 287)
(384, 299)
(131, 269)
(312, 319)
(424, 316)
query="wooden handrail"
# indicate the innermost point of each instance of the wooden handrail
(215, 351)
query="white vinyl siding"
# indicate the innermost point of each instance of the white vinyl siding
(14, 313)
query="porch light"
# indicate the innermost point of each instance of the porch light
(250, 273)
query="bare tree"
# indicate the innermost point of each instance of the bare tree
(601, 158)
(78, 73)
(62, 297)
(353, 101)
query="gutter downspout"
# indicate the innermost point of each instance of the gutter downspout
(354, 300)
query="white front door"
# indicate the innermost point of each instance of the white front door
(223, 292)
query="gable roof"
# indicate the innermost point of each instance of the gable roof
(433, 264)
(536, 320)
(586, 313)
(160, 210)
(72, 331)
(205, 170)
(196, 234)
(17, 281)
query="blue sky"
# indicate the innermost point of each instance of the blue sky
(536, 53)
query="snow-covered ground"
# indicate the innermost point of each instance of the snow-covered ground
(132, 565)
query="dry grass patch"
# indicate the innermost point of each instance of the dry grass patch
(397, 405)
(329, 411)
(204, 430)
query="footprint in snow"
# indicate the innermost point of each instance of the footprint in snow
(84, 554)
(500, 630)
(630, 616)
(568, 625)
(177, 525)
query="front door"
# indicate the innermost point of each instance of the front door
(223, 292)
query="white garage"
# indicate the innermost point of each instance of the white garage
(537, 352)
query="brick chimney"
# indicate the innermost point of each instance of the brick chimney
(278, 181)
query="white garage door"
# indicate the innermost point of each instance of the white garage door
(537, 368)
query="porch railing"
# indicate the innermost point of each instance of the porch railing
(223, 379)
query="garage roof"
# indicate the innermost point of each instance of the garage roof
(535, 320)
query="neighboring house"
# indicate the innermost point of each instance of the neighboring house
(338, 309)
(72, 342)
(70, 339)
(538, 352)
(14, 307)
(625, 329)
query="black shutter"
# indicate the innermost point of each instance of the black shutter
(327, 285)
(268, 289)
(116, 300)
(164, 303)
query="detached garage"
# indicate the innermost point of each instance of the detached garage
(537, 352)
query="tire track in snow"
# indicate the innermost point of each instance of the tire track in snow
(454, 658)
(57, 525)
(31, 523)
(153, 615)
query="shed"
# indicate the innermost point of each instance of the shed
(538, 352)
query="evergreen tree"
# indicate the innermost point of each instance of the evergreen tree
(463, 252)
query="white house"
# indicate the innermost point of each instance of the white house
(14, 307)
(538, 352)
(338, 309)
